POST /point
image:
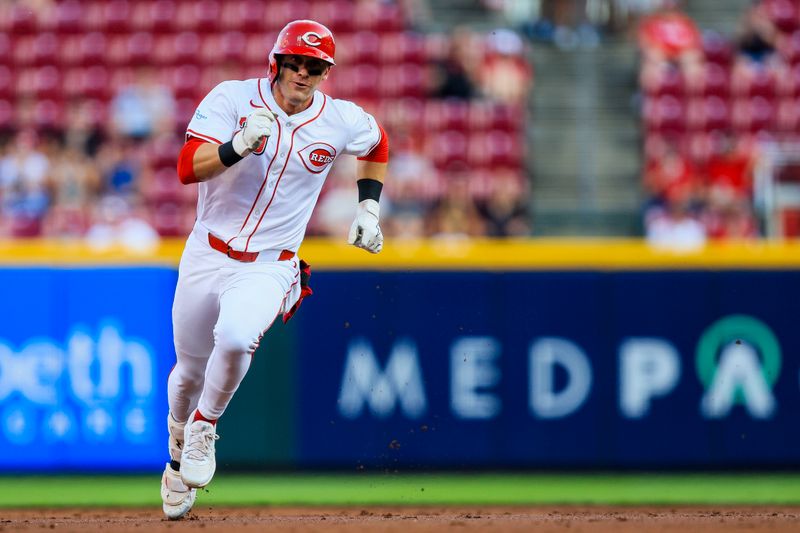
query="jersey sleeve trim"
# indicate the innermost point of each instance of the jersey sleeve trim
(380, 150)
(202, 136)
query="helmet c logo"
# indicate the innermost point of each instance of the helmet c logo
(312, 38)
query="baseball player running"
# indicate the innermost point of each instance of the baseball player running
(260, 150)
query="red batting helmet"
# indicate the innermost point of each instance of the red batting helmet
(302, 38)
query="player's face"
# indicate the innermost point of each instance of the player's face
(300, 76)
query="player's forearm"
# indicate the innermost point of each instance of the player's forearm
(206, 162)
(371, 170)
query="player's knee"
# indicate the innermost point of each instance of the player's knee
(231, 341)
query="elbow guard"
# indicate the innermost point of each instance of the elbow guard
(186, 161)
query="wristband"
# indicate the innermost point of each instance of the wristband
(228, 155)
(369, 189)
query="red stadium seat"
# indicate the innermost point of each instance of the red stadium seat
(22, 20)
(207, 16)
(364, 81)
(338, 15)
(164, 187)
(716, 48)
(447, 149)
(39, 83)
(166, 218)
(787, 116)
(790, 48)
(389, 17)
(782, 13)
(404, 80)
(93, 49)
(6, 115)
(117, 16)
(137, 49)
(22, 50)
(7, 88)
(69, 51)
(232, 47)
(44, 49)
(665, 114)
(455, 115)
(763, 83)
(257, 49)
(391, 48)
(503, 149)
(670, 82)
(95, 83)
(754, 115)
(49, 115)
(70, 17)
(708, 114)
(366, 48)
(412, 45)
(282, 11)
(5, 49)
(716, 81)
(184, 111)
(187, 48)
(245, 16)
(162, 16)
(185, 82)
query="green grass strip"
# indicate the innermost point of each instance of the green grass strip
(413, 489)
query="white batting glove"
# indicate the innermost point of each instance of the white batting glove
(365, 232)
(254, 133)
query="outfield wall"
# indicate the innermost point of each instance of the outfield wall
(481, 354)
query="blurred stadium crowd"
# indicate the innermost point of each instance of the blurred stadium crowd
(711, 104)
(95, 96)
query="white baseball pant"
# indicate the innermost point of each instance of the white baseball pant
(221, 310)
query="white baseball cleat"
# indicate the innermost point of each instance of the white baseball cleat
(177, 497)
(198, 461)
(175, 429)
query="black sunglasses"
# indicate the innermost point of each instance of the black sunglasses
(313, 68)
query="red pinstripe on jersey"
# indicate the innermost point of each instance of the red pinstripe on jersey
(288, 157)
(208, 138)
(261, 188)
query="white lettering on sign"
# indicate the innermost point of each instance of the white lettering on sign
(472, 371)
(648, 368)
(365, 384)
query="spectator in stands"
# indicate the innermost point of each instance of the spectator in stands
(455, 215)
(24, 185)
(671, 177)
(505, 209)
(144, 107)
(729, 172)
(757, 35)
(453, 76)
(733, 220)
(675, 227)
(82, 133)
(117, 221)
(120, 163)
(75, 184)
(668, 39)
(506, 75)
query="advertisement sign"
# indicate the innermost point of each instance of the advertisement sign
(84, 358)
(550, 369)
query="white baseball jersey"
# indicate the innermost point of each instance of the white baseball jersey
(264, 202)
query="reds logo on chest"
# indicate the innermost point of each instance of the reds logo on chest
(317, 156)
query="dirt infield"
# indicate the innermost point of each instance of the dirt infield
(539, 519)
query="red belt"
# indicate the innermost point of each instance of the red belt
(245, 257)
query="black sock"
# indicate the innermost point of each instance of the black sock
(175, 465)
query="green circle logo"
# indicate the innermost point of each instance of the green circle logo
(735, 328)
